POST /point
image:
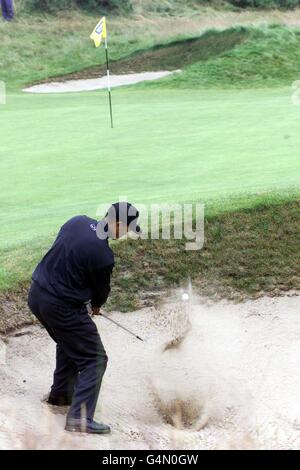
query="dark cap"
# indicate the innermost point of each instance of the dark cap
(126, 213)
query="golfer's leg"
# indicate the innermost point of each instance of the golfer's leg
(9, 9)
(88, 384)
(65, 376)
(87, 388)
(83, 345)
(36, 300)
(3, 8)
(66, 371)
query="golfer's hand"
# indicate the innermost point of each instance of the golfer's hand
(96, 311)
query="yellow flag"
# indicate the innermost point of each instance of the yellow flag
(99, 32)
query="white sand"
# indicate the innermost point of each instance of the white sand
(96, 83)
(235, 379)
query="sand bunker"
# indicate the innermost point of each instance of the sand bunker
(209, 376)
(96, 83)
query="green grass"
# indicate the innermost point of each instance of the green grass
(171, 146)
(223, 132)
(239, 57)
(174, 55)
(263, 57)
(40, 47)
(243, 256)
(36, 48)
(247, 252)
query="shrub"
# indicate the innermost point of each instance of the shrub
(265, 3)
(51, 6)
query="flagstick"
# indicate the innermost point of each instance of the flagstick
(108, 84)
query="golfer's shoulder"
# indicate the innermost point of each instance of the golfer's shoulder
(83, 232)
(76, 224)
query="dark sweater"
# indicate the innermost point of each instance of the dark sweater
(78, 267)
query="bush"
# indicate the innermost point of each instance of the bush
(123, 5)
(265, 3)
(47, 5)
(51, 6)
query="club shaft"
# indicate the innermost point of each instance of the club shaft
(90, 311)
(121, 326)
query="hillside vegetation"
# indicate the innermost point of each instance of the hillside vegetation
(59, 158)
(247, 253)
(240, 56)
(261, 57)
(160, 6)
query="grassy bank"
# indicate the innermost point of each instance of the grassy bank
(38, 47)
(240, 57)
(246, 253)
(260, 57)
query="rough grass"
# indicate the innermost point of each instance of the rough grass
(34, 48)
(261, 57)
(177, 54)
(247, 253)
(237, 57)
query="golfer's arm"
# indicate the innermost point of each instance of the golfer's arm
(100, 285)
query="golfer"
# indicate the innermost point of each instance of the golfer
(73, 274)
(7, 9)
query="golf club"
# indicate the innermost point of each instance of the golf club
(90, 311)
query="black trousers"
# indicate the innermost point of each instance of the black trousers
(80, 356)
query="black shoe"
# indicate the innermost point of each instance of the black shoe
(88, 426)
(61, 400)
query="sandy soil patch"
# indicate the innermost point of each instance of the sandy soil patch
(96, 83)
(209, 376)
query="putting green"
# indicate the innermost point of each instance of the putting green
(59, 157)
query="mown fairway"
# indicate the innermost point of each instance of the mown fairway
(59, 157)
